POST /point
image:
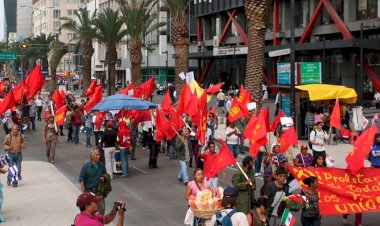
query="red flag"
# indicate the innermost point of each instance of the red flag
(147, 88)
(140, 116)
(59, 116)
(166, 105)
(236, 111)
(215, 88)
(223, 159)
(256, 132)
(91, 89)
(192, 107)
(287, 139)
(99, 118)
(175, 121)
(63, 94)
(244, 99)
(95, 98)
(265, 114)
(21, 91)
(128, 90)
(58, 99)
(2, 86)
(277, 120)
(361, 149)
(8, 103)
(335, 116)
(163, 126)
(202, 125)
(35, 81)
(184, 99)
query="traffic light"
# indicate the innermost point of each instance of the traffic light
(24, 45)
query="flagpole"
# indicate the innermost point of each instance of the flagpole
(245, 175)
(52, 112)
(183, 141)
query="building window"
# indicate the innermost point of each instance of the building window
(367, 9)
(338, 6)
(69, 12)
(57, 14)
(57, 25)
(55, 3)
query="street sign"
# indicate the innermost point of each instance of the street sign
(311, 73)
(280, 52)
(5, 56)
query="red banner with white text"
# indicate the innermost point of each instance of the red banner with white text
(341, 192)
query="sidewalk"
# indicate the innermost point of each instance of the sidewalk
(44, 197)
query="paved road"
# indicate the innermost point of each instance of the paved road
(153, 196)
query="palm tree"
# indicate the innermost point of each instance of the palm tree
(110, 34)
(57, 51)
(257, 13)
(138, 16)
(39, 48)
(85, 31)
(180, 38)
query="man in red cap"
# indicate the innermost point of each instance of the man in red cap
(109, 139)
(89, 216)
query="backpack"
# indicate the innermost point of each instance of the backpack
(224, 221)
(310, 144)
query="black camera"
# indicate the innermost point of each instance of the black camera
(117, 206)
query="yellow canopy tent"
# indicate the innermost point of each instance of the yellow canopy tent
(328, 92)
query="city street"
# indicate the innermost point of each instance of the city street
(153, 196)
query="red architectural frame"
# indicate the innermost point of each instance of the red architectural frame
(338, 22)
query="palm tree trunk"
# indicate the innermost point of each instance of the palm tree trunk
(181, 64)
(136, 73)
(111, 79)
(53, 79)
(86, 73)
(255, 63)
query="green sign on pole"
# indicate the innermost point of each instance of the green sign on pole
(7, 56)
(311, 73)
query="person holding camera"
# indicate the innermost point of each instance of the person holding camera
(87, 203)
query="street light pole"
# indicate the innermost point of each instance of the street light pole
(292, 62)
(361, 65)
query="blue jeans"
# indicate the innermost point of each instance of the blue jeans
(182, 174)
(258, 162)
(124, 160)
(214, 182)
(75, 134)
(2, 219)
(88, 135)
(234, 149)
(15, 159)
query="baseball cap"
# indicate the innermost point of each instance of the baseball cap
(230, 191)
(304, 146)
(86, 198)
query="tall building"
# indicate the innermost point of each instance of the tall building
(24, 19)
(3, 22)
(47, 14)
(11, 16)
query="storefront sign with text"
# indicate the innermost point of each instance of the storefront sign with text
(341, 192)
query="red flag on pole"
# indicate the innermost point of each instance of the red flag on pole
(21, 91)
(175, 121)
(95, 98)
(167, 106)
(276, 121)
(58, 99)
(215, 88)
(236, 111)
(59, 116)
(129, 90)
(35, 81)
(256, 132)
(147, 88)
(202, 125)
(184, 99)
(287, 139)
(335, 116)
(361, 149)
(163, 126)
(265, 114)
(223, 159)
(99, 118)
(8, 103)
(91, 89)
(140, 116)
(192, 107)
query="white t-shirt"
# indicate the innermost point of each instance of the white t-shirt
(38, 102)
(319, 137)
(237, 219)
(233, 139)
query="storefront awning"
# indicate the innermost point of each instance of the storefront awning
(329, 92)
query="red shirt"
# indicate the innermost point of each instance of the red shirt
(84, 219)
(76, 119)
(208, 163)
(124, 136)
